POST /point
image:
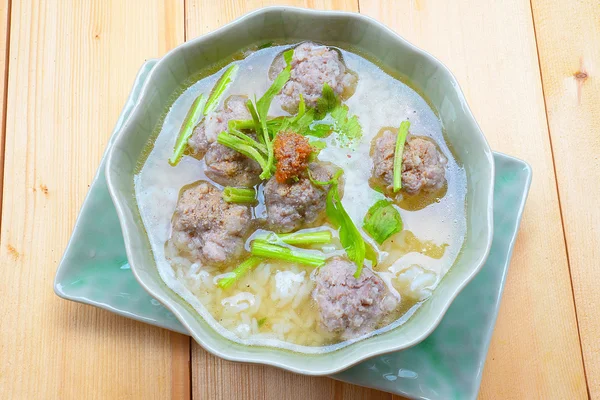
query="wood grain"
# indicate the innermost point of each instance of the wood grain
(72, 65)
(568, 38)
(216, 378)
(492, 51)
(203, 16)
(70, 69)
(4, 38)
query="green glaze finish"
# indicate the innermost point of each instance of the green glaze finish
(94, 268)
(291, 24)
(448, 364)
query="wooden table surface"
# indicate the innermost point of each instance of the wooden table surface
(528, 71)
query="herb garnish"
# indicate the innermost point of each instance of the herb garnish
(382, 221)
(239, 195)
(400, 140)
(187, 128)
(239, 271)
(348, 128)
(262, 248)
(260, 152)
(199, 109)
(350, 236)
(329, 115)
(299, 238)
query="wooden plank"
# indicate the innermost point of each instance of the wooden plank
(568, 38)
(491, 49)
(203, 16)
(213, 377)
(72, 66)
(4, 38)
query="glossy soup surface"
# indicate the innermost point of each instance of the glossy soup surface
(272, 304)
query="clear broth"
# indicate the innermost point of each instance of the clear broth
(272, 305)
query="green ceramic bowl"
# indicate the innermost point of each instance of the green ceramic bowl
(292, 24)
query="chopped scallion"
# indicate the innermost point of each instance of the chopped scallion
(222, 85)
(239, 145)
(241, 124)
(239, 271)
(400, 140)
(299, 238)
(265, 249)
(248, 140)
(194, 116)
(239, 195)
(201, 107)
(262, 110)
(255, 119)
(350, 236)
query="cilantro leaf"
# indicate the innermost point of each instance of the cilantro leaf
(327, 102)
(350, 236)
(371, 254)
(260, 111)
(329, 115)
(382, 221)
(318, 145)
(348, 128)
(320, 130)
(264, 103)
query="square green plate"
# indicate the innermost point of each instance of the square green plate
(447, 365)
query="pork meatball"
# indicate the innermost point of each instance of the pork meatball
(205, 133)
(230, 168)
(352, 307)
(292, 205)
(312, 66)
(423, 166)
(208, 229)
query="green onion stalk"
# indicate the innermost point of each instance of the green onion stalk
(265, 249)
(200, 108)
(400, 140)
(299, 239)
(239, 195)
(239, 271)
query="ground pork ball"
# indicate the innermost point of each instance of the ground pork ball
(296, 204)
(312, 66)
(208, 229)
(292, 152)
(230, 168)
(205, 133)
(350, 306)
(423, 166)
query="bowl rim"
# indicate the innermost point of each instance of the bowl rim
(263, 357)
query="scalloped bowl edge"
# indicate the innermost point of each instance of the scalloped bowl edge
(373, 38)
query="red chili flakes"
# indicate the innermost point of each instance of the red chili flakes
(292, 152)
